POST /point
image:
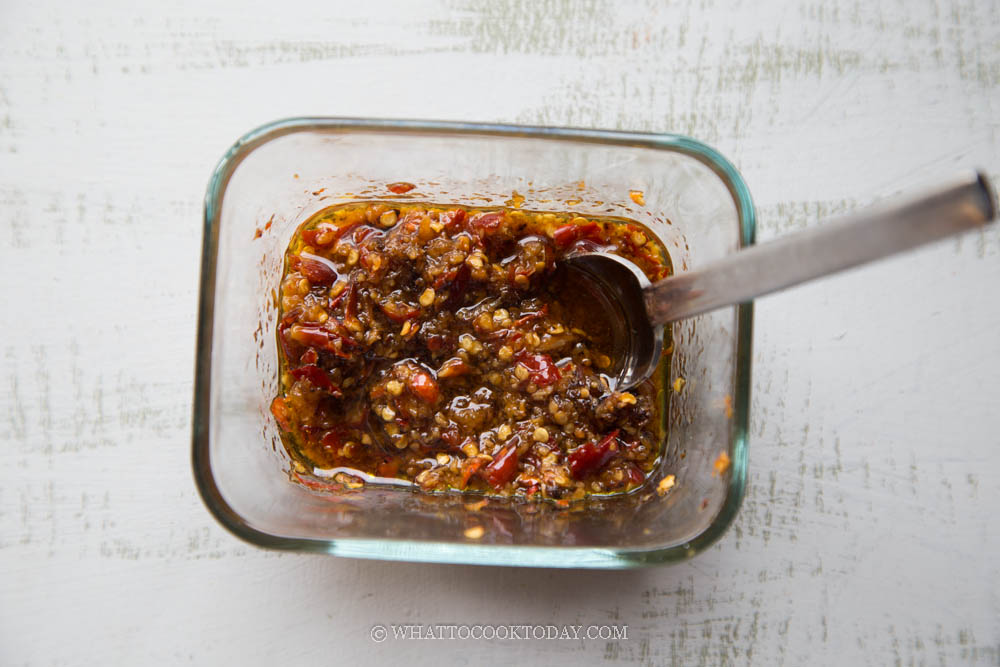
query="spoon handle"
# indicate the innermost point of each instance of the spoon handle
(964, 203)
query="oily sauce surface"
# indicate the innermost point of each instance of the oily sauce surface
(440, 344)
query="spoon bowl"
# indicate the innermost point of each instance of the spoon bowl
(637, 342)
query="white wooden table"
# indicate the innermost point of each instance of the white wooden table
(869, 534)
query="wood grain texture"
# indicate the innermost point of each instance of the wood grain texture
(869, 533)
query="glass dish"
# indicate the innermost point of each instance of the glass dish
(278, 175)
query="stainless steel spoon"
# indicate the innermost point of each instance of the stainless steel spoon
(967, 202)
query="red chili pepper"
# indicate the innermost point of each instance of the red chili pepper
(388, 468)
(502, 468)
(287, 346)
(345, 230)
(400, 187)
(314, 336)
(635, 475)
(513, 272)
(335, 301)
(565, 235)
(315, 485)
(363, 233)
(310, 356)
(453, 220)
(340, 352)
(454, 367)
(486, 223)
(331, 439)
(543, 370)
(589, 457)
(291, 316)
(435, 342)
(445, 278)
(323, 231)
(351, 308)
(398, 311)
(471, 468)
(346, 341)
(311, 336)
(451, 436)
(524, 319)
(316, 376)
(424, 386)
(318, 270)
(279, 408)
(459, 285)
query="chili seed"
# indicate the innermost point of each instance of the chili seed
(387, 219)
(484, 322)
(427, 298)
(469, 343)
(665, 484)
(540, 435)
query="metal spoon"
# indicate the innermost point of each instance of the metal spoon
(965, 203)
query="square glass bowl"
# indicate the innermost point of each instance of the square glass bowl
(275, 177)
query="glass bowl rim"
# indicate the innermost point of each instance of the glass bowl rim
(447, 552)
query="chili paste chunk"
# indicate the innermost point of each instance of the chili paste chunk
(441, 345)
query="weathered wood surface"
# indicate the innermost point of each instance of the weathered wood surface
(869, 535)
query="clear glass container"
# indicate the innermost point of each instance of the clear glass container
(275, 177)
